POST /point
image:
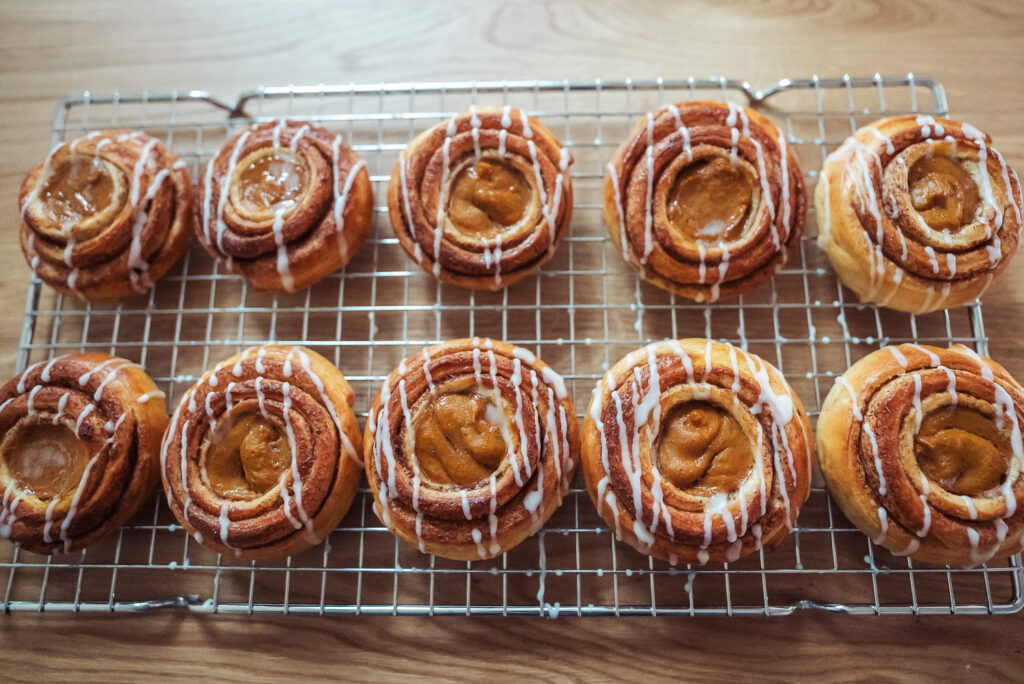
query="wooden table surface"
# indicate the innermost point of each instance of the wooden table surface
(51, 49)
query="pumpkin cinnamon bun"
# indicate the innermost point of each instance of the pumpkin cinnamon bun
(482, 200)
(105, 215)
(470, 447)
(262, 456)
(696, 451)
(79, 438)
(918, 213)
(704, 199)
(284, 203)
(921, 449)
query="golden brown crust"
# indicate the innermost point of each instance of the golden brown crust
(645, 509)
(883, 491)
(879, 245)
(422, 176)
(114, 255)
(489, 517)
(312, 239)
(304, 392)
(637, 222)
(118, 414)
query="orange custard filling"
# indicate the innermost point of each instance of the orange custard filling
(710, 201)
(962, 450)
(246, 455)
(459, 438)
(486, 197)
(702, 450)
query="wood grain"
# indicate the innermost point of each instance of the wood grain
(55, 48)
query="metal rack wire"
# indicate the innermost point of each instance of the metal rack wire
(581, 313)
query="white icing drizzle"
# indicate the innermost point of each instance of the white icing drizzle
(76, 498)
(604, 495)
(550, 213)
(84, 378)
(766, 190)
(426, 369)
(20, 387)
(927, 522)
(155, 394)
(283, 270)
(516, 379)
(61, 405)
(889, 149)
(625, 246)
(986, 183)
(445, 171)
(32, 398)
(341, 198)
(89, 408)
(826, 216)
(723, 269)
(276, 133)
(972, 511)
(474, 123)
(533, 499)
(111, 374)
(1006, 172)
(898, 355)
(382, 448)
(933, 358)
(630, 462)
(414, 462)
(492, 518)
(912, 547)
(294, 146)
(417, 251)
(917, 403)
(224, 523)
(138, 267)
(932, 258)
(506, 434)
(877, 458)
(225, 184)
(883, 522)
(783, 411)
(951, 387)
(784, 161)
(855, 408)
(648, 208)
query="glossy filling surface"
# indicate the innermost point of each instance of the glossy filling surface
(962, 450)
(703, 450)
(78, 188)
(710, 201)
(942, 192)
(246, 455)
(273, 179)
(45, 459)
(458, 438)
(486, 197)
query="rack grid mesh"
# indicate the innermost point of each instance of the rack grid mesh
(583, 311)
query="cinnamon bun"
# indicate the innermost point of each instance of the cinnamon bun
(704, 199)
(921, 449)
(284, 203)
(105, 215)
(918, 213)
(262, 456)
(470, 447)
(79, 438)
(482, 200)
(696, 451)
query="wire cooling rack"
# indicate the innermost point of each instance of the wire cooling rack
(581, 313)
